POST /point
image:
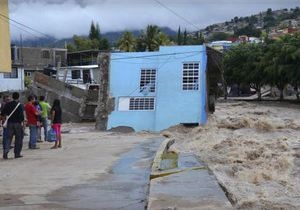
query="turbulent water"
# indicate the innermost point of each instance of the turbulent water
(253, 149)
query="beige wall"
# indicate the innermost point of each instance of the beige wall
(5, 54)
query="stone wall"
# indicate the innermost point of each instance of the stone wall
(77, 104)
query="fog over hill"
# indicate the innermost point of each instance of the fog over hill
(50, 41)
(63, 18)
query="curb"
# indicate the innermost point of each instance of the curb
(155, 170)
(187, 186)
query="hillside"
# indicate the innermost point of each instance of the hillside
(112, 37)
(264, 21)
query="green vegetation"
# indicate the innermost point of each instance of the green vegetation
(249, 30)
(149, 40)
(27, 81)
(219, 36)
(275, 63)
(127, 42)
(93, 41)
(255, 25)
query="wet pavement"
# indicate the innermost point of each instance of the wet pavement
(191, 186)
(125, 187)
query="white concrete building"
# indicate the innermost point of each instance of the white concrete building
(12, 81)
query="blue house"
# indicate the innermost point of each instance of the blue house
(156, 90)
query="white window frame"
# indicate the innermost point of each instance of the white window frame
(76, 73)
(142, 104)
(14, 74)
(190, 76)
(28, 74)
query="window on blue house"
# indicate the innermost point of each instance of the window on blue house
(145, 103)
(190, 79)
(147, 82)
(136, 103)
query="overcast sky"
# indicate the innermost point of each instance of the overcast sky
(63, 18)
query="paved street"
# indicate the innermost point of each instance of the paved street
(93, 170)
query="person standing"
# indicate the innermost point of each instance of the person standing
(56, 116)
(14, 110)
(32, 115)
(6, 99)
(45, 109)
(39, 119)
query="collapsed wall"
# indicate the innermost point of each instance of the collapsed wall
(77, 104)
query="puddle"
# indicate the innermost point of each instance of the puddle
(169, 161)
(125, 187)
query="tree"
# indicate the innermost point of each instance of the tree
(219, 36)
(93, 41)
(254, 69)
(163, 39)
(127, 42)
(269, 12)
(235, 19)
(94, 32)
(179, 37)
(82, 43)
(275, 66)
(253, 20)
(151, 39)
(243, 66)
(269, 20)
(185, 37)
(140, 43)
(249, 30)
(291, 58)
(104, 44)
(233, 65)
(196, 40)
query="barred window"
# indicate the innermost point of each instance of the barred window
(190, 79)
(141, 103)
(13, 74)
(28, 74)
(147, 82)
(75, 74)
(45, 54)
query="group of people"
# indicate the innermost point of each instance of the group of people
(34, 114)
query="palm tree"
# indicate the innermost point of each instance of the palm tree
(127, 42)
(152, 38)
(163, 39)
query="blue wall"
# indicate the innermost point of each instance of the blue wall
(173, 105)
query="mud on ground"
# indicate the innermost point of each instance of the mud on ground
(253, 149)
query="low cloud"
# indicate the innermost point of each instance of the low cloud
(63, 18)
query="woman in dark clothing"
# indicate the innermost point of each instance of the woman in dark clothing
(56, 122)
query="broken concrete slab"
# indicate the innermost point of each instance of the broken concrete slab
(193, 189)
(189, 185)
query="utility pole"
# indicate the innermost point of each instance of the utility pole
(101, 112)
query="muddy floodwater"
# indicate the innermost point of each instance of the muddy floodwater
(253, 149)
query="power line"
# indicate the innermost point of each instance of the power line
(178, 15)
(1, 18)
(158, 68)
(132, 92)
(28, 27)
(154, 62)
(158, 55)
